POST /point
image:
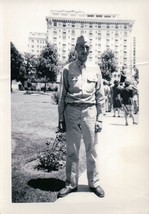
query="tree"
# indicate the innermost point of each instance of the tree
(108, 64)
(17, 71)
(30, 65)
(47, 64)
(72, 55)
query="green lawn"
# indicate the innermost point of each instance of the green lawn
(34, 122)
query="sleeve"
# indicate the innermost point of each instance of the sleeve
(100, 99)
(62, 94)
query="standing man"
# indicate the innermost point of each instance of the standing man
(80, 108)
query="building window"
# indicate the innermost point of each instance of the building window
(73, 25)
(73, 32)
(90, 25)
(55, 23)
(64, 24)
(90, 15)
(82, 25)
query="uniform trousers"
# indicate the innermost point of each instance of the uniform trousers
(80, 122)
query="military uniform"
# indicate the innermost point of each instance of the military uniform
(80, 105)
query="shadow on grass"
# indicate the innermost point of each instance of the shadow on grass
(49, 184)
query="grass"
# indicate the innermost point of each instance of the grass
(34, 122)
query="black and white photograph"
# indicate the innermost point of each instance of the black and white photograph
(74, 107)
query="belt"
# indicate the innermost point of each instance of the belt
(81, 104)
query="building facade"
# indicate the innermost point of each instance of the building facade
(36, 43)
(103, 31)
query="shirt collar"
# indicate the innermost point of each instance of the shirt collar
(79, 63)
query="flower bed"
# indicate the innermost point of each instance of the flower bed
(54, 158)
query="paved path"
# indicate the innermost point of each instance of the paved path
(123, 161)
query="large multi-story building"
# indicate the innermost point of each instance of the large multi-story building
(103, 31)
(36, 43)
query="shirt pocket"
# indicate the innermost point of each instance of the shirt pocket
(92, 79)
(91, 83)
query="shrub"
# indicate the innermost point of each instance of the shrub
(55, 97)
(53, 158)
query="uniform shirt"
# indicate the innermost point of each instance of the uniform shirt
(81, 84)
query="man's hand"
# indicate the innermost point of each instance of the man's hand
(62, 126)
(98, 126)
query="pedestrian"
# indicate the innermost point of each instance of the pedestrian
(135, 97)
(116, 91)
(81, 109)
(127, 101)
(107, 96)
(123, 75)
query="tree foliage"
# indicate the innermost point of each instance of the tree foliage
(108, 64)
(47, 63)
(17, 71)
(30, 65)
(72, 55)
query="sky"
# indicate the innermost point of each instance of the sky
(24, 16)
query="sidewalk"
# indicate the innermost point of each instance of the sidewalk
(123, 164)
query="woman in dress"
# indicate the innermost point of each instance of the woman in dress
(115, 92)
(127, 101)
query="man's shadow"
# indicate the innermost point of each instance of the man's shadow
(47, 184)
(52, 185)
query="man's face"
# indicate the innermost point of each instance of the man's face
(82, 51)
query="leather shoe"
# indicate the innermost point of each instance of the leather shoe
(98, 191)
(65, 191)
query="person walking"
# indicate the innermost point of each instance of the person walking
(127, 102)
(107, 96)
(80, 110)
(115, 91)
